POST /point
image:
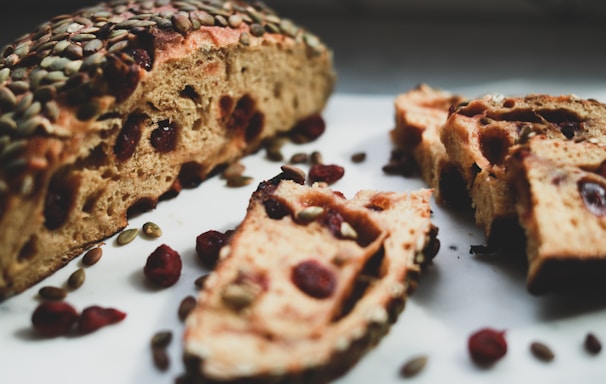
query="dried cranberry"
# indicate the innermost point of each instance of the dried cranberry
(163, 266)
(208, 246)
(308, 129)
(141, 57)
(95, 317)
(54, 318)
(121, 76)
(57, 205)
(487, 346)
(275, 209)
(328, 173)
(333, 221)
(314, 279)
(164, 138)
(129, 137)
(594, 197)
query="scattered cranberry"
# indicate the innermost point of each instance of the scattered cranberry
(208, 245)
(129, 137)
(95, 317)
(163, 266)
(164, 138)
(314, 279)
(328, 173)
(308, 129)
(54, 318)
(487, 346)
(275, 209)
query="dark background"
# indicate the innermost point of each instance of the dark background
(387, 46)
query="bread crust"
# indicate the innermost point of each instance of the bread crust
(108, 110)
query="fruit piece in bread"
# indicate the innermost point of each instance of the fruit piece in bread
(307, 284)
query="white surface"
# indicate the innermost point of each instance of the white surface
(459, 294)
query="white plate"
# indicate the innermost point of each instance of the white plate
(460, 293)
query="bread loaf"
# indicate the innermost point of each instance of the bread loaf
(110, 109)
(307, 284)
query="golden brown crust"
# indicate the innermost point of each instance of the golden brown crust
(133, 88)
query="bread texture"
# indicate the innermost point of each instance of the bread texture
(560, 198)
(108, 110)
(308, 283)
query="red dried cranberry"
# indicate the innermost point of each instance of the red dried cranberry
(333, 221)
(594, 197)
(328, 173)
(243, 112)
(486, 346)
(142, 57)
(95, 317)
(314, 279)
(163, 266)
(164, 138)
(57, 205)
(54, 318)
(208, 246)
(308, 129)
(121, 76)
(129, 137)
(275, 209)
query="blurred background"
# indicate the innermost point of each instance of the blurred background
(387, 46)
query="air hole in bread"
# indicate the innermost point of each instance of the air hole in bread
(91, 201)
(494, 144)
(372, 271)
(28, 250)
(453, 188)
(142, 205)
(189, 92)
(242, 113)
(226, 106)
(255, 127)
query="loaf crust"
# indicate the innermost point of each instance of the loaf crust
(282, 333)
(107, 110)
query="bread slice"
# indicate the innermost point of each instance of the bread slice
(560, 189)
(479, 135)
(308, 283)
(105, 111)
(419, 115)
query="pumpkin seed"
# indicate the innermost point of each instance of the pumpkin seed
(92, 256)
(309, 214)
(414, 366)
(239, 181)
(186, 306)
(161, 359)
(161, 339)
(347, 231)
(50, 292)
(293, 173)
(592, 344)
(76, 279)
(152, 229)
(127, 236)
(541, 351)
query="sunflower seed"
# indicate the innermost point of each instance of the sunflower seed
(161, 339)
(541, 351)
(413, 366)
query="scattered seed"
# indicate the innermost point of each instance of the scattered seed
(358, 157)
(541, 351)
(299, 158)
(233, 170)
(92, 256)
(161, 359)
(127, 236)
(186, 306)
(76, 279)
(152, 229)
(414, 366)
(161, 339)
(294, 173)
(316, 158)
(239, 181)
(50, 292)
(592, 344)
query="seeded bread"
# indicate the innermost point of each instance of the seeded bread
(106, 111)
(479, 135)
(560, 190)
(419, 115)
(308, 283)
